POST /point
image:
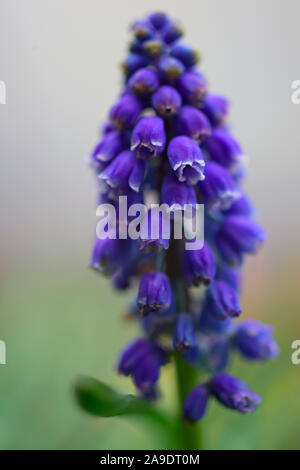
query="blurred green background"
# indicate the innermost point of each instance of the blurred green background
(59, 60)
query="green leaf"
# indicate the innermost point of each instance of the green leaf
(99, 399)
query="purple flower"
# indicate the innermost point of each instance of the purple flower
(234, 393)
(144, 81)
(108, 147)
(142, 29)
(186, 159)
(217, 356)
(172, 31)
(187, 55)
(218, 189)
(108, 254)
(153, 48)
(184, 333)
(158, 20)
(230, 275)
(255, 340)
(238, 235)
(166, 101)
(224, 149)
(216, 108)
(125, 112)
(155, 293)
(195, 404)
(199, 266)
(148, 138)
(133, 62)
(222, 301)
(142, 359)
(241, 206)
(169, 69)
(124, 170)
(208, 324)
(193, 123)
(155, 231)
(176, 194)
(193, 87)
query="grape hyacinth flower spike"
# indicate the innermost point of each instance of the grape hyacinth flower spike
(166, 142)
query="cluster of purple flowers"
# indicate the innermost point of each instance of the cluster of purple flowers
(168, 135)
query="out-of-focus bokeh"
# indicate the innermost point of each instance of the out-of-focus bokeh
(59, 60)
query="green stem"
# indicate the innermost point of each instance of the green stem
(189, 435)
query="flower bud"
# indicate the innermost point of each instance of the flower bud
(108, 147)
(222, 301)
(184, 333)
(166, 101)
(153, 48)
(169, 69)
(133, 62)
(234, 393)
(199, 266)
(195, 404)
(187, 55)
(185, 158)
(218, 189)
(216, 109)
(158, 20)
(155, 231)
(155, 293)
(193, 87)
(224, 149)
(238, 235)
(172, 31)
(193, 123)
(255, 340)
(142, 30)
(176, 194)
(144, 81)
(125, 112)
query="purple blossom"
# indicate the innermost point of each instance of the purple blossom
(234, 393)
(186, 160)
(148, 137)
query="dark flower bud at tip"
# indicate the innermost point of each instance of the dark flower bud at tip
(158, 19)
(187, 55)
(195, 404)
(166, 101)
(172, 31)
(144, 81)
(142, 30)
(234, 393)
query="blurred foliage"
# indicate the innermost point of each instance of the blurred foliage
(58, 326)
